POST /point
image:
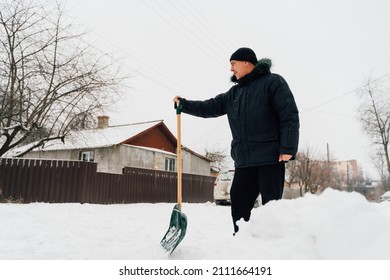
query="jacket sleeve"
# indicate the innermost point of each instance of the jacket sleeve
(287, 111)
(210, 108)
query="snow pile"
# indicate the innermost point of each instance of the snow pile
(334, 225)
(386, 196)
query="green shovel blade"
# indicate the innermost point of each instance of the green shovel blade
(176, 231)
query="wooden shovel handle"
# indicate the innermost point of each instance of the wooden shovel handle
(179, 160)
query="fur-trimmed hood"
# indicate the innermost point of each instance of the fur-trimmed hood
(263, 66)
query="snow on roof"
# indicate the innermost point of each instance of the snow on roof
(96, 138)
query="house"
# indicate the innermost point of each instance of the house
(146, 145)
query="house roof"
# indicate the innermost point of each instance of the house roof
(109, 136)
(98, 138)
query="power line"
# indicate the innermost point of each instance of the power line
(211, 24)
(142, 61)
(197, 24)
(333, 114)
(208, 42)
(342, 95)
(182, 33)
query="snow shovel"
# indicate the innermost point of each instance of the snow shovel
(178, 223)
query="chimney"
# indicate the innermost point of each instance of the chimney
(102, 122)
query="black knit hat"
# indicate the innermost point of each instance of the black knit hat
(244, 54)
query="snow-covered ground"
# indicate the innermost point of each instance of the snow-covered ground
(332, 226)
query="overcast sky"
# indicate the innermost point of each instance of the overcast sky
(324, 49)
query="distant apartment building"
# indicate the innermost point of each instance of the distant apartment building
(349, 172)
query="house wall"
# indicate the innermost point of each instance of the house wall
(109, 159)
(113, 159)
(132, 156)
(155, 160)
(195, 165)
(63, 155)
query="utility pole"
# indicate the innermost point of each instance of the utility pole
(327, 152)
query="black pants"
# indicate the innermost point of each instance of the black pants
(249, 182)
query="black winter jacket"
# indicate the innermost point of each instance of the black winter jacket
(262, 114)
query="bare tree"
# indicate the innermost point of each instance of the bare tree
(51, 81)
(218, 159)
(311, 175)
(374, 113)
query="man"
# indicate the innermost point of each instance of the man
(264, 123)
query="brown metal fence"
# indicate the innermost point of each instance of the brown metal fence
(58, 181)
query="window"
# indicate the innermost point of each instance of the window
(169, 164)
(87, 155)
